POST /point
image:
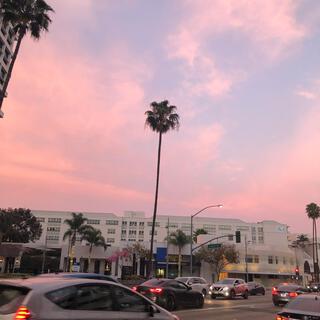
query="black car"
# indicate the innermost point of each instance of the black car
(314, 287)
(256, 288)
(170, 294)
(81, 275)
(306, 306)
(284, 293)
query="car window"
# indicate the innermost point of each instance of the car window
(64, 298)
(225, 281)
(304, 303)
(178, 285)
(11, 298)
(183, 279)
(236, 282)
(195, 280)
(128, 301)
(203, 281)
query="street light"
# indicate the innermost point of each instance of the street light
(191, 227)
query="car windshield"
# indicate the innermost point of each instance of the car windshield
(308, 304)
(10, 298)
(288, 288)
(226, 281)
(154, 282)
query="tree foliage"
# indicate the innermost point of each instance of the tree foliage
(138, 249)
(197, 233)
(219, 258)
(19, 225)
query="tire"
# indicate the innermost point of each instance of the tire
(199, 302)
(232, 295)
(245, 295)
(170, 303)
(204, 292)
(263, 292)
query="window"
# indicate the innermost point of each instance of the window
(133, 223)
(40, 219)
(110, 240)
(256, 259)
(230, 237)
(261, 239)
(112, 222)
(276, 259)
(260, 229)
(53, 238)
(65, 298)
(254, 239)
(55, 229)
(253, 229)
(123, 232)
(54, 220)
(93, 221)
(157, 224)
(242, 228)
(141, 233)
(141, 224)
(250, 259)
(224, 227)
(155, 232)
(113, 231)
(131, 232)
(124, 223)
(270, 259)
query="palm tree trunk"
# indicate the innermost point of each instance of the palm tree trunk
(150, 268)
(316, 250)
(179, 263)
(313, 251)
(13, 60)
(89, 258)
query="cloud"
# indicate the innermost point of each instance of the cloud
(307, 94)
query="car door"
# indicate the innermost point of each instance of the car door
(195, 284)
(182, 294)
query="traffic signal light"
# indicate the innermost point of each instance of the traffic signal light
(297, 271)
(238, 237)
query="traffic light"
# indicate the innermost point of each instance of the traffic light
(238, 237)
(297, 271)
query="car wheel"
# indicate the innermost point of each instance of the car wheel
(204, 292)
(170, 303)
(199, 302)
(232, 295)
(246, 295)
(263, 292)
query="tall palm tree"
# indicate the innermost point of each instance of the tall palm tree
(161, 118)
(26, 16)
(94, 238)
(179, 239)
(197, 233)
(313, 212)
(76, 226)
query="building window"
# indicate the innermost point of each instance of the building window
(40, 219)
(261, 239)
(132, 232)
(112, 222)
(157, 224)
(250, 259)
(124, 223)
(230, 237)
(53, 238)
(123, 232)
(93, 221)
(256, 259)
(132, 240)
(110, 240)
(54, 220)
(141, 233)
(242, 228)
(133, 223)
(270, 259)
(254, 239)
(155, 232)
(224, 227)
(113, 231)
(141, 224)
(260, 229)
(56, 229)
(276, 259)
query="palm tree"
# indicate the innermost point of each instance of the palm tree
(94, 238)
(313, 212)
(26, 16)
(197, 233)
(161, 118)
(179, 239)
(76, 227)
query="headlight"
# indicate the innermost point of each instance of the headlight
(211, 287)
(225, 289)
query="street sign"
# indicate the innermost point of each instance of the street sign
(214, 245)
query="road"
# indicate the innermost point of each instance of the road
(256, 307)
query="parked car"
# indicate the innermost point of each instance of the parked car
(314, 287)
(196, 283)
(256, 288)
(285, 292)
(306, 306)
(229, 288)
(81, 275)
(170, 293)
(61, 298)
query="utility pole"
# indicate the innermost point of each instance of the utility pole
(167, 258)
(44, 255)
(246, 255)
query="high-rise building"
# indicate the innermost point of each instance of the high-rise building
(7, 37)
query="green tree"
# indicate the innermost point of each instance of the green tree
(94, 238)
(179, 239)
(197, 233)
(19, 225)
(301, 240)
(161, 118)
(26, 16)
(218, 258)
(77, 227)
(313, 212)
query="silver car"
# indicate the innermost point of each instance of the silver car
(74, 299)
(196, 283)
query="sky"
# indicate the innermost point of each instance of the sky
(244, 75)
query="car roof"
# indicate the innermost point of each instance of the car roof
(73, 274)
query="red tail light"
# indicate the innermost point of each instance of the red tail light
(156, 290)
(22, 314)
(274, 290)
(293, 294)
(281, 318)
(134, 288)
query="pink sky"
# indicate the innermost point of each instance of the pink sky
(244, 76)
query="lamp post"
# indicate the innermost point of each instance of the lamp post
(167, 258)
(246, 256)
(191, 229)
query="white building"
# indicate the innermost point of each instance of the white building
(269, 255)
(7, 37)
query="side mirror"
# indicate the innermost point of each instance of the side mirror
(152, 310)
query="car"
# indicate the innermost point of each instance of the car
(314, 287)
(72, 298)
(196, 283)
(284, 292)
(229, 288)
(256, 288)
(170, 293)
(306, 306)
(81, 275)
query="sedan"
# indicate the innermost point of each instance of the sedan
(74, 299)
(170, 294)
(303, 307)
(284, 293)
(256, 288)
(196, 283)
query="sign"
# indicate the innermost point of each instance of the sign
(76, 267)
(214, 245)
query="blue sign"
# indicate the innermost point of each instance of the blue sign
(161, 254)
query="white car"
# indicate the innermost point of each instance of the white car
(196, 283)
(74, 299)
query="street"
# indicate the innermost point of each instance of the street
(256, 307)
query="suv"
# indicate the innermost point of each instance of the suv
(229, 288)
(196, 283)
